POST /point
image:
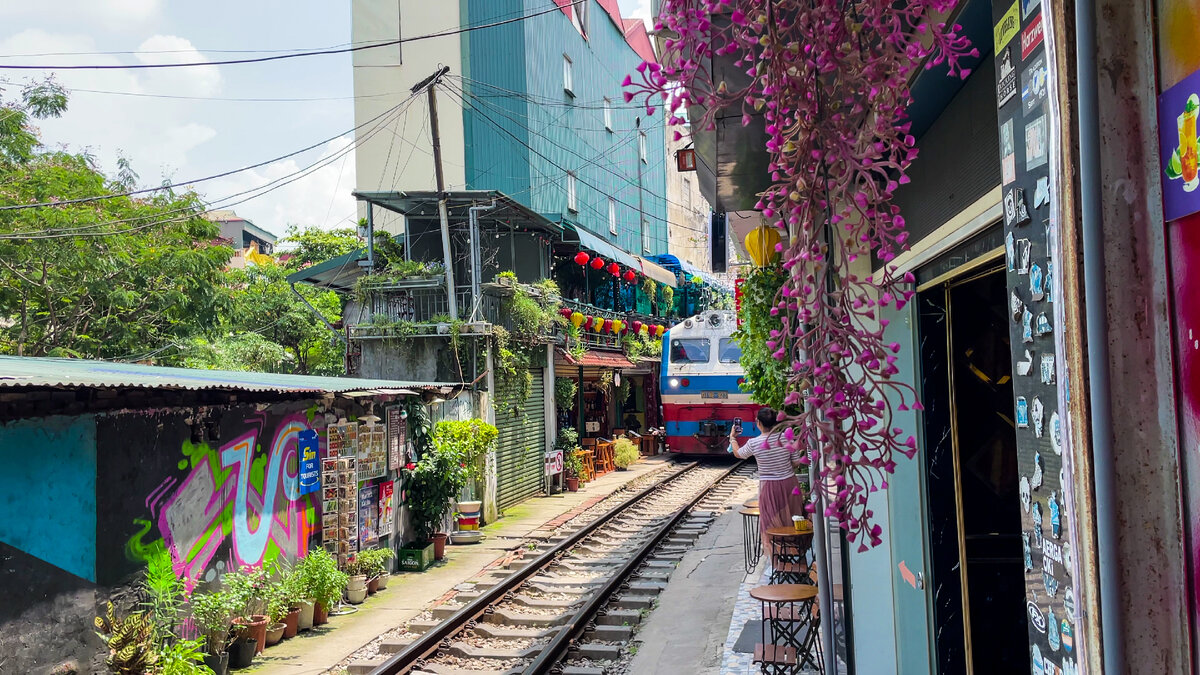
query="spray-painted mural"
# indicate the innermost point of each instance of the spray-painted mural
(228, 495)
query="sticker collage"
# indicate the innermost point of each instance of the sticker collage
(355, 511)
(1022, 84)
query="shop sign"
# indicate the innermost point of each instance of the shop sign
(554, 462)
(310, 470)
(1006, 79)
(1032, 36)
(1179, 148)
(1008, 26)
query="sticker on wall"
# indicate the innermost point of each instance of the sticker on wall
(1067, 635)
(1066, 554)
(1039, 470)
(1037, 666)
(1016, 306)
(1028, 551)
(1035, 282)
(1048, 284)
(1008, 153)
(1032, 36)
(1041, 194)
(1069, 667)
(1055, 433)
(1027, 326)
(1010, 252)
(1016, 212)
(1036, 412)
(1052, 635)
(1006, 78)
(1055, 516)
(1024, 250)
(1035, 143)
(1047, 369)
(1042, 326)
(1036, 514)
(1069, 600)
(1022, 413)
(1026, 366)
(1062, 479)
(1050, 583)
(1026, 493)
(1027, 7)
(1033, 85)
(1036, 618)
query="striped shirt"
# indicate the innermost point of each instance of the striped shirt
(771, 453)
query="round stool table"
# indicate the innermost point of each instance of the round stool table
(789, 555)
(751, 503)
(789, 628)
(751, 539)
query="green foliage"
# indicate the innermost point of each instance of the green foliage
(165, 595)
(565, 391)
(130, 641)
(430, 484)
(668, 301)
(508, 276)
(532, 316)
(318, 578)
(766, 376)
(249, 589)
(18, 137)
(625, 453)
(568, 439)
(419, 425)
(312, 245)
(182, 657)
(213, 615)
(375, 561)
(572, 463)
(623, 391)
(469, 441)
(244, 351)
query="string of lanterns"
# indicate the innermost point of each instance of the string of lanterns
(599, 324)
(582, 259)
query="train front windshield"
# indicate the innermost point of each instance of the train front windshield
(690, 350)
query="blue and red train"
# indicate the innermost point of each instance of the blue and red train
(701, 393)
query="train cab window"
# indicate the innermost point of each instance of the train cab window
(690, 350)
(729, 351)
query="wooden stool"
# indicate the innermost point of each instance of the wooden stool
(751, 539)
(585, 456)
(789, 628)
(605, 458)
(789, 562)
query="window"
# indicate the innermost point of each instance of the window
(612, 215)
(572, 205)
(608, 114)
(642, 145)
(645, 237)
(580, 16)
(568, 75)
(690, 350)
(687, 194)
(729, 351)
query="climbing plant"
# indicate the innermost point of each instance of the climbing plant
(832, 81)
(532, 313)
(766, 376)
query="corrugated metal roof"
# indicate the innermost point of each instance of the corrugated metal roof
(595, 358)
(28, 371)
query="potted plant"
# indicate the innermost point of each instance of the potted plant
(625, 453)
(293, 592)
(356, 581)
(213, 616)
(573, 464)
(321, 583)
(250, 589)
(507, 278)
(430, 484)
(130, 641)
(376, 563)
(277, 611)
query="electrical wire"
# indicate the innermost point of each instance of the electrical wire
(235, 100)
(278, 57)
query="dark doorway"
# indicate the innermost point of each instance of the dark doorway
(974, 507)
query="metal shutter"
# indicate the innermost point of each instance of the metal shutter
(521, 446)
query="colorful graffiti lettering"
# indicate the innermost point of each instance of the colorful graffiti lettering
(232, 500)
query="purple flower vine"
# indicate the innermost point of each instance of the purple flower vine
(831, 79)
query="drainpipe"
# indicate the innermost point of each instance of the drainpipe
(473, 218)
(1096, 324)
(320, 316)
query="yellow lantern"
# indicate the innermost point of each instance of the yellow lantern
(645, 328)
(617, 326)
(760, 244)
(576, 319)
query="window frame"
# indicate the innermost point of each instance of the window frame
(645, 237)
(612, 215)
(642, 146)
(572, 192)
(724, 342)
(608, 123)
(568, 75)
(688, 360)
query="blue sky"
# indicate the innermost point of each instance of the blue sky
(186, 138)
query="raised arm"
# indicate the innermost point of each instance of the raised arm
(739, 451)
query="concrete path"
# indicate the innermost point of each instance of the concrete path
(408, 594)
(686, 632)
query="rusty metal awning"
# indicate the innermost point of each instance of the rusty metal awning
(594, 358)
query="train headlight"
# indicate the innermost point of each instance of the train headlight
(674, 382)
(687, 324)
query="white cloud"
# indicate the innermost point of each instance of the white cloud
(191, 81)
(638, 9)
(320, 198)
(113, 15)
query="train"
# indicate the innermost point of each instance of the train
(700, 383)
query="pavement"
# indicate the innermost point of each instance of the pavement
(408, 594)
(687, 631)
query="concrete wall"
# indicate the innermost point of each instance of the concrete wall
(688, 212)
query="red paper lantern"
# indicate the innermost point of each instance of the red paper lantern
(597, 262)
(614, 269)
(565, 312)
(607, 325)
(630, 276)
(582, 258)
(637, 326)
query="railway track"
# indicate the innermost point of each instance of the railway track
(573, 601)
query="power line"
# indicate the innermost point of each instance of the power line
(236, 100)
(278, 57)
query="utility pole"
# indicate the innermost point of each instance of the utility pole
(431, 83)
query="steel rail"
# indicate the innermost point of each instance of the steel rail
(439, 637)
(548, 659)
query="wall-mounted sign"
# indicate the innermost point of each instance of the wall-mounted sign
(397, 436)
(554, 462)
(1008, 26)
(1179, 148)
(1032, 36)
(685, 160)
(310, 463)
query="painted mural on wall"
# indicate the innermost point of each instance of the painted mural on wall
(229, 495)
(1025, 117)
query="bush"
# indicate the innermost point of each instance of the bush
(213, 615)
(320, 580)
(565, 390)
(430, 484)
(625, 453)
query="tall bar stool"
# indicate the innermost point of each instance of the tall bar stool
(751, 538)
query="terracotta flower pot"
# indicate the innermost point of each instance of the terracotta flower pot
(275, 633)
(372, 585)
(439, 545)
(320, 614)
(305, 621)
(254, 628)
(573, 484)
(291, 623)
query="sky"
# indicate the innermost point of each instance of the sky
(182, 124)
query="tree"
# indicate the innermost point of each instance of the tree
(110, 278)
(312, 245)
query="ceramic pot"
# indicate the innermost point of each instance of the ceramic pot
(372, 585)
(255, 628)
(291, 623)
(439, 545)
(383, 580)
(275, 633)
(305, 621)
(241, 653)
(320, 614)
(356, 589)
(219, 664)
(573, 484)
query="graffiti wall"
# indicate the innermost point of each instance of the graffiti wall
(216, 488)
